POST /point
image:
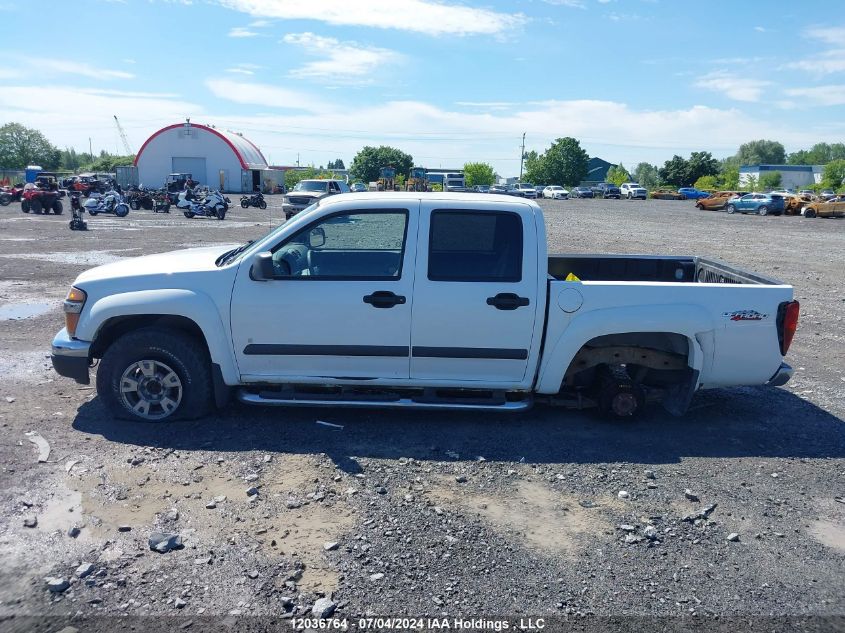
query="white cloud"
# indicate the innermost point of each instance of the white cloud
(341, 61)
(760, 29)
(733, 86)
(819, 95)
(240, 71)
(64, 67)
(241, 31)
(250, 93)
(431, 17)
(826, 62)
(834, 35)
(572, 4)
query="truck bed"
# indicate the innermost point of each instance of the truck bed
(652, 268)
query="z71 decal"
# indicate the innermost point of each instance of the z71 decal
(744, 315)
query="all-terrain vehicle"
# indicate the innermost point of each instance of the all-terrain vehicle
(140, 198)
(175, 184)
(42, 196)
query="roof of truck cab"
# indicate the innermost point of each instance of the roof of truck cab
(469, 197)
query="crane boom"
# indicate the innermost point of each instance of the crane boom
(122, 136)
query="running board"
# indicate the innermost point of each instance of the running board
(300, 400)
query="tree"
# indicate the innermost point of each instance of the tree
(751, 183)
(21, 146)
(833, 175)
(535, 170)
(770, 180)
(646, 174)
(761, 152)
(707, 182)
(618, 174)
(335, 164)
(564, 163)
(730, 178)
(701, 164)
(479, 174)
(819, 154)
(675, 172)
(107, 162)
(367, 162)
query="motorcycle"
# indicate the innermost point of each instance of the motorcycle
(10, 194)
(212, 205)
(255, 200)
(76, 210)
(110, 202)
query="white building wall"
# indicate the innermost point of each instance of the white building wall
(156, 159)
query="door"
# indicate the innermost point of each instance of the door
(475, 292)
(193, 166)
(340, 303)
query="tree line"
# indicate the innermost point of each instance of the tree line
(564, 162)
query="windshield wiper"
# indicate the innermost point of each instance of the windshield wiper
(229, 255)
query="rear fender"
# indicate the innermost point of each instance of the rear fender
(687, 320)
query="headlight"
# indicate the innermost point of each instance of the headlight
(73, 307)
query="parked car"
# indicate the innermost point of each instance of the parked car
(632, 190)
(417, 300)
(539, 190)
(501, 189)
(481, 188)
(795, 204)
(307, 192)
(523, 190)
(555, 192)
(759, 203)
(357, 187)
(606, 190)
(692, 193)
(806, 192)
(717, 201)
(580, 192)
(666, 194)
(833, 208)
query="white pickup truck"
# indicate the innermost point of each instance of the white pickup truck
(441, 300)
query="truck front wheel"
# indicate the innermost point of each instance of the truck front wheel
(155, 375)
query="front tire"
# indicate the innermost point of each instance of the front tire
(155, 375)
(25, 206)
(121, 210)
(189, 214)
(731, 209)
(134, 205)
(262, 205)
(57, 207)
(764, 210)
(810, 213)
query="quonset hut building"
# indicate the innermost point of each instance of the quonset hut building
(218, 159)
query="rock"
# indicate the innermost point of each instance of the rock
(627, 528)
(124, 528)
(84, 569)
(323, 608)
(409, 498)
(330, 547)
(69, 629)
(172, 515)
(381, 490)
(179, 603)
(253, 574)
(733, 537)
(251, 477)
(437, 601)
(251, 491)
(689, 494)
(219, 499)
(632, 538)
(650, 533)
(292, 504)
(211, 505)
(438, 510)
(163, 542)
(286, 602)
(709, 510)
(57, 585)
(649, 474)
(202, 561)
(375, 577)
(268, 459)
(461, 479)
(30, 522)
(73, 531)
(623, 494)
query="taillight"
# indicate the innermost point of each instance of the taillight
(787, 323)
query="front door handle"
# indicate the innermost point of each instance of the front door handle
(507, 301)
(384, 299)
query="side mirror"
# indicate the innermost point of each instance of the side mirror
(317, 237)
(262, 267)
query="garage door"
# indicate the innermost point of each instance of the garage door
(193, 166)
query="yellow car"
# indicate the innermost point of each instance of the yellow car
(717, 201)
(833, 208)
(666, 194)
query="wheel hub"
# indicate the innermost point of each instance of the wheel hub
(624, 404)
(150, 389)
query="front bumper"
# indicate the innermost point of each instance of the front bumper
(781, 377)
(71, 357)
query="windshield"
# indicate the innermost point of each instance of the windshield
(310, 185)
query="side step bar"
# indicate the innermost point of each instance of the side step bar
(300, 400)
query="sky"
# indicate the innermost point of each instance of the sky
(449, 83)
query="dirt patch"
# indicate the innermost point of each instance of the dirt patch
(829, 534)
(546, 520)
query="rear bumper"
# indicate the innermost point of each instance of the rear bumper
(70, 357)
(781, 377)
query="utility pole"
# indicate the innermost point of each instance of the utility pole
(90, 148)
(521, 156)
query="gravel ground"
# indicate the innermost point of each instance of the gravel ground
(735, 510)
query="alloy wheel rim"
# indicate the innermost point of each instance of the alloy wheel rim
(150, 389)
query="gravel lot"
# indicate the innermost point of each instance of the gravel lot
(413, 513)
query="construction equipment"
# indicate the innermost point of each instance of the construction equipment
(122, 136)
(387, 178)
(416, 180)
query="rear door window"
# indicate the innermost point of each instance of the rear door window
(475, 246)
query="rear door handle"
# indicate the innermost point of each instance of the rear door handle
(507, 301)
(384, 299)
